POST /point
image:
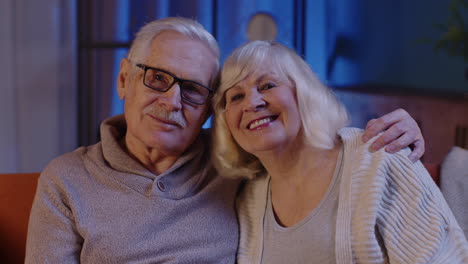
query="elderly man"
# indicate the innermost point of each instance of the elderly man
(147, 193)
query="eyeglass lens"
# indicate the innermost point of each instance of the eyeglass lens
(162, 81)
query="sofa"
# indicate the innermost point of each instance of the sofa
(16, 197)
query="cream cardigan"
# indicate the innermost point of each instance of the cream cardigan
(383, 197)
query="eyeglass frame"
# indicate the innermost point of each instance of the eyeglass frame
(176, 80)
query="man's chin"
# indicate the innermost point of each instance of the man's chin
(169, 146)
(164, 126)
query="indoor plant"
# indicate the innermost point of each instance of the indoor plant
(453, 38)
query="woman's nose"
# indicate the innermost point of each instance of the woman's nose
(254, 102)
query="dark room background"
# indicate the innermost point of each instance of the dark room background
(61, 58)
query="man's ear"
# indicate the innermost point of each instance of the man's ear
(122, 78)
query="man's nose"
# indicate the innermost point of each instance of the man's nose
(254, 102)
(172, 99)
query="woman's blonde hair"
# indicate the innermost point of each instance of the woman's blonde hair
(322, 115)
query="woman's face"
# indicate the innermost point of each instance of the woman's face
(261, 112)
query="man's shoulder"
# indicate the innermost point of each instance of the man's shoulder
(71, 163)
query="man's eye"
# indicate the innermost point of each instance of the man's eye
(191, 89)
(158, 77)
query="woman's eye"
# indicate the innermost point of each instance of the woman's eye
(267, 86)
(235, 97)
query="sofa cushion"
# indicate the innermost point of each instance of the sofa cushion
(454, 184)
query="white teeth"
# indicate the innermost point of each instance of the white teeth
(260, 122)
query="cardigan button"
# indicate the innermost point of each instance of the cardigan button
(161, 186)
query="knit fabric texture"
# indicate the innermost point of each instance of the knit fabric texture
(389, 211)
(98, 205)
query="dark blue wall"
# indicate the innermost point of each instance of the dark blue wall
(345, 42)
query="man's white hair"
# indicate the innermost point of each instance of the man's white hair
(322, 115)
(185, 26)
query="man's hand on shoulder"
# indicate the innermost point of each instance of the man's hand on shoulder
(400, 130)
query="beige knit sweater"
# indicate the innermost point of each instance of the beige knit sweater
(390, 211)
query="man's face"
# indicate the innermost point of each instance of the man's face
(162, 120)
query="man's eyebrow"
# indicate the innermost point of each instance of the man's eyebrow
(198, 81)
(190, 80)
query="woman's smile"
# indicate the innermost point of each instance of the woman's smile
(261, 122)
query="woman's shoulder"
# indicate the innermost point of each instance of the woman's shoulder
(379, 164)
(352, 140)
(254, 189)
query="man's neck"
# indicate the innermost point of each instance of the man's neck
(151, 158)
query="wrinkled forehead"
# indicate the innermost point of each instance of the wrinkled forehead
(183, 56)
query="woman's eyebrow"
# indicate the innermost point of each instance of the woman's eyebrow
(268, 75)
(233, 88)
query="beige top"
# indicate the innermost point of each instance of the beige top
(311, 239)
(381, 195)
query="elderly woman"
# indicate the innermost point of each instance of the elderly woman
(316, 193)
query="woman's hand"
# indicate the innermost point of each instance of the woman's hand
(400, 131)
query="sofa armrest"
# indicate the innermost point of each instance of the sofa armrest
(16, 196)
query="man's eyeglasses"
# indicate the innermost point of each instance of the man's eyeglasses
(162, 81)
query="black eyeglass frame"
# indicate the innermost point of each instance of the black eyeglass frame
(176, 80)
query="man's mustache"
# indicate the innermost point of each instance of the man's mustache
(159, 112)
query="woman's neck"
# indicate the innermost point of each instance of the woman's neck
(291, 162)
(299, 180)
